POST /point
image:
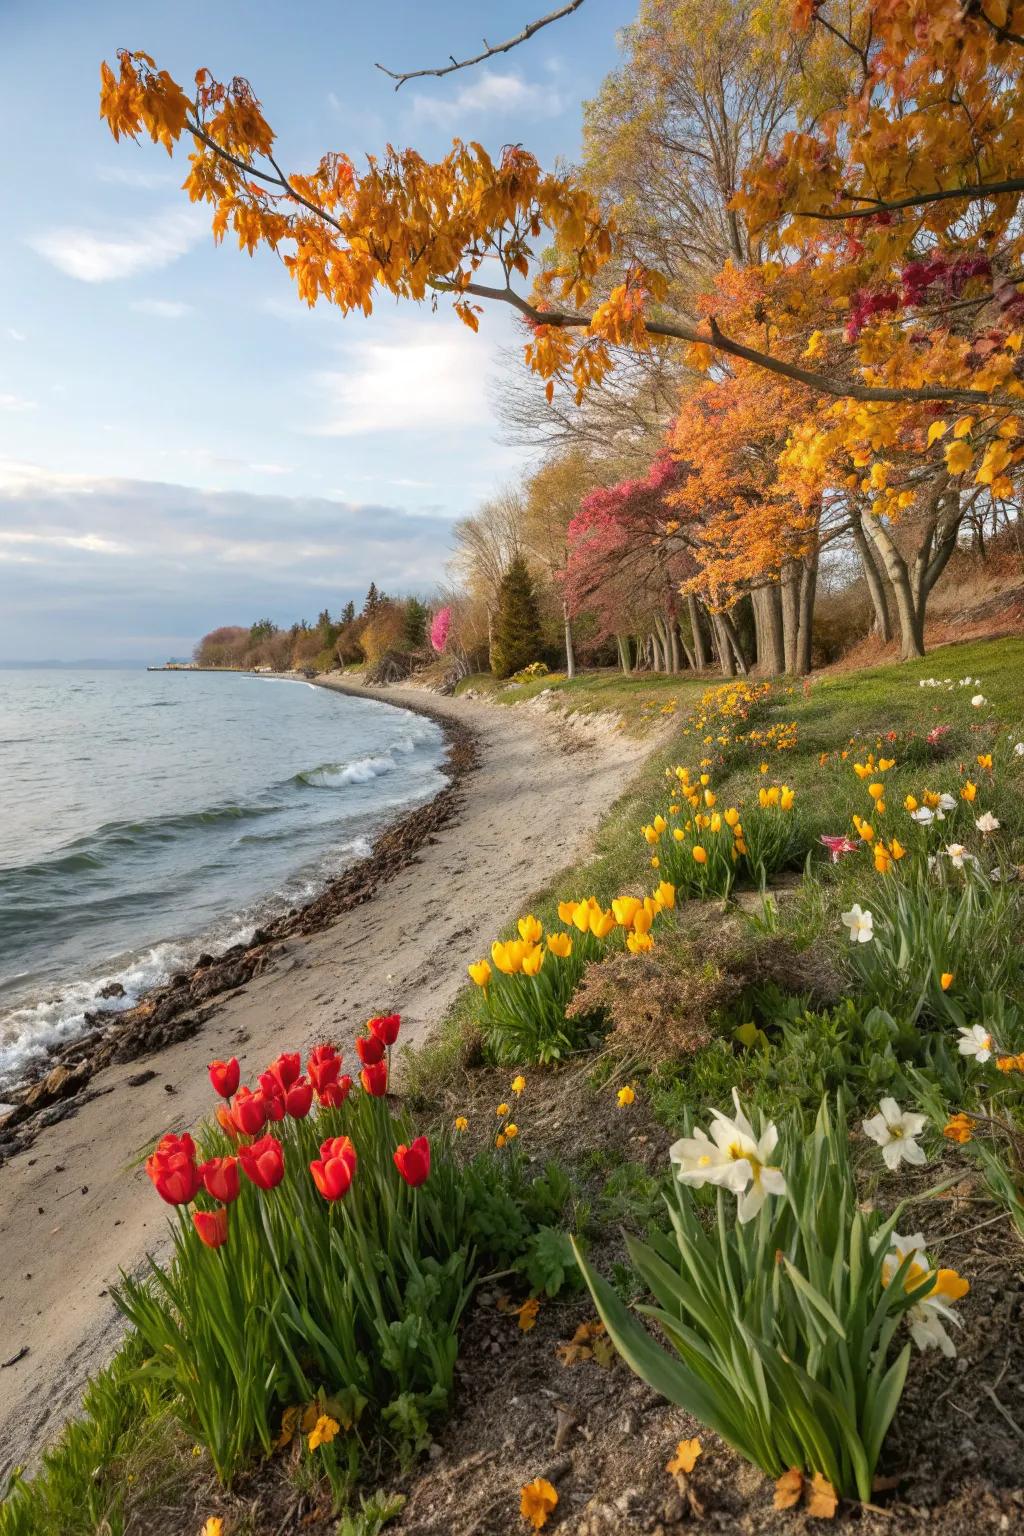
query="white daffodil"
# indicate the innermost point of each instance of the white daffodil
(947, 802)
(976, 1042)
(732, 1158)
(860, 923)
(978, 700)
(958, 855)
(927, 1316)
(987, 823)
(895, 1131)
(924, 815)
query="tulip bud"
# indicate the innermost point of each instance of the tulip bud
(334, 1095)
(385, 1027)
(212, 1226)
(370, 1050)
(375, 1079)
(298, 1098)
(413, 1163)
(224, 1076)
(263, 1162)
(220, 1178)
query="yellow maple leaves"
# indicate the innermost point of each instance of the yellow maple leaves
(821, 1499)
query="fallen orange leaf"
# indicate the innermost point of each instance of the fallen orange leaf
(685, 1458)
(788, 1489)
(824, 1501)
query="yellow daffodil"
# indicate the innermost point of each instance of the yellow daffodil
(625, 909)
(968, 792)
(560, 944)
(946, 980)
(626, 1096)
(699, 854)
(480, 972)
(323, 1431)
(517, 1085)
(530, 929)
(511, 1132)
(461, 1124)
(639, 943)
(501, 1111)
(910, 804)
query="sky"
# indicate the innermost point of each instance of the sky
(184, 444)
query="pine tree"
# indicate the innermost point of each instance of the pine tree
(414, 625)
(348, 613)
(373, 599)
(517, 633)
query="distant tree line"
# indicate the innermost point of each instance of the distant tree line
(383, 625)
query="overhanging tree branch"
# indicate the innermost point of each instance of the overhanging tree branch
(490, 49)
(916, 200)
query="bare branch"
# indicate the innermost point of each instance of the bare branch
(490, 49)
(915, 200)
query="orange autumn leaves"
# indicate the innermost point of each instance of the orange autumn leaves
(820, 1498)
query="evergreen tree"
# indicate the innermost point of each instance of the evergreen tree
(517, 633)
(263, 629)
(348, 613)
(414, 625)
(373, 599)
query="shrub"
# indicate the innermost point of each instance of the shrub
(783, 1321)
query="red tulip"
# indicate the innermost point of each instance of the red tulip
(212, 1226)
(323, 1066)
(385, 1027)
(224, 1076)
(286, 1069)
(370, 1050)
(263, 1162)
(220, 1176)
(298, 1098)
(334, 1169)
(272, 1096)
(249, 1112)
(333, 1095)
(413, 1163)
(172, 1169)
(375, 1079)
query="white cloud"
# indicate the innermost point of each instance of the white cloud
(10, 402)
(433, 380)
(491, 92)
(15, 334)
(127, 176)
(162, 309)
(93, 257)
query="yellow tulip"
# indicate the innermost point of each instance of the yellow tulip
(732, 816)
(762, 768)
(910, 804)
(699, 854)
(530, 929)
(639, 943)
(480, 972)
(660, 824)
(946, 980)
(876, 791)
(705, 779)
(931, 798)
(511, 1131)
(501, 1111)
(601, 924)
(885, 763)
(461, 1123)
(642, 921)
(786, 797)
(666, 894)
(709, 798)
(740, 846)
(560, 944)
(651, 835)
(897, 849)
(655, 863)
(625, 1096)
(508, 957)
(679, 835)
(985, 760)
(969, 791)
(517, 1085)
(625, 909)
(883, 863)
(716, 822)
(533, 959)
(565, 911)
(581, 915)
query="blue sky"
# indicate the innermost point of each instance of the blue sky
(182, 443)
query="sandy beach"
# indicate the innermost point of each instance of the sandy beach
(75, 1207)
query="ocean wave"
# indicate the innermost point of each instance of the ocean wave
(339, 775)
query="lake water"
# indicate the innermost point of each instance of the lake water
(148, 816)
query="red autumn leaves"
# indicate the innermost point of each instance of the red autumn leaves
(283, 1090)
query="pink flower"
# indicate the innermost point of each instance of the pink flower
(837, 846)
(439, 628)
(936, 734)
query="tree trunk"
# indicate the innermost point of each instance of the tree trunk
(657, 663)
(690, 662)
(700, 654)
(570, 652)
(625, 653)
(805, 627)
(767, 602)
(790, 596)
(726, 658)
(872, 575)
(910, 620)
(733, 641)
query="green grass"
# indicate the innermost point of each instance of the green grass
(639, 699)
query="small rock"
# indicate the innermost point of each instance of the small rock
(137, 1079)
(112, 989)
